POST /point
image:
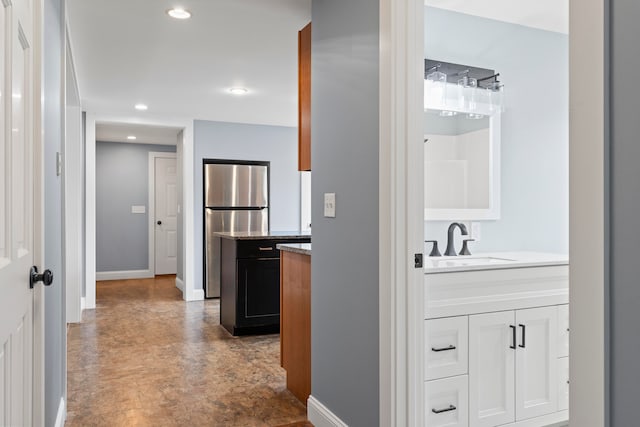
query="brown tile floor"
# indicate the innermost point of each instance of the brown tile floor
(144, 357)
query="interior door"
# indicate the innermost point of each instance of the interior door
(491, 369)
(166, 215)
(536, 362)
(17, 242)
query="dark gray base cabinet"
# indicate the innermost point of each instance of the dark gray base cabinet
(250, 285)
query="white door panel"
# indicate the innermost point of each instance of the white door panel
(536, 362)
(166, 212)
(491, 369)
(17, 108)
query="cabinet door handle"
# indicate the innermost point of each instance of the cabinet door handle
(437, 350)
(524, 328)
(440, 411)
(268, 248)
(513, 337)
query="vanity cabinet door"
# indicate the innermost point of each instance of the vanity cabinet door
(536, 362)
(491, 369)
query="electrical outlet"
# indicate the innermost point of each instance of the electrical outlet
(476, 231)
(330, 205)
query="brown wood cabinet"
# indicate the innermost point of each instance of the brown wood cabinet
(295, 322)
(304, 98)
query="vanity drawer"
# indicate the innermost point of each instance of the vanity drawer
(446, 347)
(447, 402)
(563, 384)
(563, 330)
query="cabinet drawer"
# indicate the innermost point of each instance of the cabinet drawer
(257, 249)
(447, 402)
(446, 347)
(563, 384)
(563, 330)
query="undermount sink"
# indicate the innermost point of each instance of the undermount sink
(469, 261)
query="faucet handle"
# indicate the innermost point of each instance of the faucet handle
(434, 249)
(465, 247)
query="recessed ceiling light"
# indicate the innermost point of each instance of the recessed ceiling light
(179, 13)
(238, 90)
(131, 137)
(141, 107)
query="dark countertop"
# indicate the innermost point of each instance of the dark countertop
(259, 235)
(299, 248)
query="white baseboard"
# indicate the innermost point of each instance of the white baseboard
(62, 413)
(83, 304)
(180, 284)
(122, 275)
(321, 416)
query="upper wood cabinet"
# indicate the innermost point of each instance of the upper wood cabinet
(304, 98)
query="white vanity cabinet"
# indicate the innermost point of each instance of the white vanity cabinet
(512, 360)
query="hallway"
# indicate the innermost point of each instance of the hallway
(144, 357)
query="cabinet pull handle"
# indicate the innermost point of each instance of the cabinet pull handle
(440, 411)
(268, 248)
(523, 331)
(513, 337)
(437, 350)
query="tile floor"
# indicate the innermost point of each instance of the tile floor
(144, 357)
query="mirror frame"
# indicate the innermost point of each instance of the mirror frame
(493, 212)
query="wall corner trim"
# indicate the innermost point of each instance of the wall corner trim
(321, 416)
(194, 295)
(62, 413)
(180, 285)
(125, 274)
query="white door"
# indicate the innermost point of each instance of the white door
(166, 215)
(537, 362)
(491, 369)
(17, 236)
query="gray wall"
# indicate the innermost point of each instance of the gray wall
(624, 340)
(344, 295)
(238, 141)
(122, 180)
(55, 336)
(533, 64)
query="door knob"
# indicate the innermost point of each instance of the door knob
(34, 277)
(159, 223)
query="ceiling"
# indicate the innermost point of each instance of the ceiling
(551, 15)
(145, 134)
(129, 52)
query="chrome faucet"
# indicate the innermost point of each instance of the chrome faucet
(451, 250)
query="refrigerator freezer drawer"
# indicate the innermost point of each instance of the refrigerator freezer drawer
(236, 185)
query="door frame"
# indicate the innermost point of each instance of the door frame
(401, 231)
(185, 156)
(153, 155)
(588, 212)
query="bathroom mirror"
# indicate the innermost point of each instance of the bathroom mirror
(462, 165)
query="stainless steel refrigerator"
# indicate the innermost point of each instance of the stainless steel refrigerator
(236, 198)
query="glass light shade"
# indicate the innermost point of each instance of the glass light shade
(467, 93)
(436, 87)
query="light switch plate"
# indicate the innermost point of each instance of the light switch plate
(330, 205)
(138, 209)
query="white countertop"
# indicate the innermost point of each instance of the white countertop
(492, 261)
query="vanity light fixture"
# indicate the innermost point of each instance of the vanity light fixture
(238, 90)
(474, 116)
(179, 13)
(131, 137)
(447, 113)
(141, 107)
